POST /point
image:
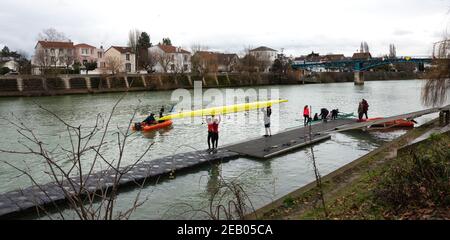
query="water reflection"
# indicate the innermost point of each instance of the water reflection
(213, 184)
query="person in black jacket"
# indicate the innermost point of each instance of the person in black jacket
(324, 114)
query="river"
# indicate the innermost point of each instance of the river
(263, 180)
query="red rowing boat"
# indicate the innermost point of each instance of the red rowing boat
(394, 123)
(146, 128)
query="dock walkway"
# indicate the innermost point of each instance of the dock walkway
(15, 202)
(266, 147)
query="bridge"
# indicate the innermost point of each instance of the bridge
(358, 66)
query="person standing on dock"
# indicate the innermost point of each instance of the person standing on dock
(306, 115)
(209, 121)
(215, 130)
(267, 113)
(360, 111)
(365, 107)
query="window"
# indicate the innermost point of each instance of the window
(99, 54)
(92, 51)
(52, 51)
(185, 58)
(128, 57)
(84, 51)
(53, 59)
(103, 64)
(173, 57)
(172, 67)
(128, 67)
(61, 51)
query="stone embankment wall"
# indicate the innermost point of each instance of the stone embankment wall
(32, 85)
(75, 84)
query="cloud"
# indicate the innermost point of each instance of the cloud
(400, 32)
(298, 26)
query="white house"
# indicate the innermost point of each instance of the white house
(265, 54)
(52, 54)
(170, 59)
(120, 59)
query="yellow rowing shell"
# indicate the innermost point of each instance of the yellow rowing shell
(224, 109)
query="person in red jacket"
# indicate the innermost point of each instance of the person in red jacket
(213, 132)
(209, 122)
(306, 115)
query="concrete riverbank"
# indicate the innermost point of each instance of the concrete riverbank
(33, 85)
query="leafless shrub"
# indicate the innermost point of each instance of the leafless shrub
(317, 175)
(113, 64)
(90, 195)
(228, 198)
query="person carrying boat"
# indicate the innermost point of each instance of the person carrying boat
(306, 115)
(267, 113)
(213, 132)
(150, 119)
(216, 123)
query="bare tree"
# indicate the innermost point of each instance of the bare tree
(392, 51)
(51, 34)
(42, 59)
(436, 88)
(133, 37)
(366, 47)
(204, 61)
(113, 64)
(152, 60)
(165, 60)
(91, 196)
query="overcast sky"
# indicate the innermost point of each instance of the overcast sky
(298, 26)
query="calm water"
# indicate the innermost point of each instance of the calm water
(263, 180)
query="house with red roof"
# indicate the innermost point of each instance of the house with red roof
(52, 54)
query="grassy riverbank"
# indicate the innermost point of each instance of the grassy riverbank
(381, 185)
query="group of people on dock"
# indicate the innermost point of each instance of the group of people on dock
(324, 115)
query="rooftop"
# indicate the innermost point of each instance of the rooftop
(83, 45)
(50, 44)
(171, 49)
(263, 48)
(121, 49)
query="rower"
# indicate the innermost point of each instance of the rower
(150, 119)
